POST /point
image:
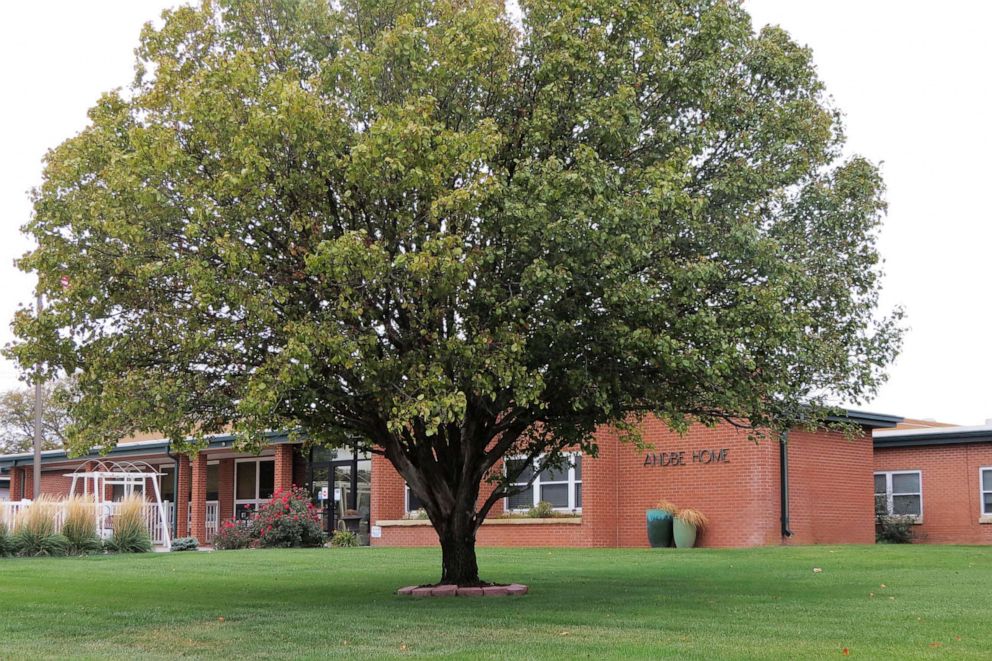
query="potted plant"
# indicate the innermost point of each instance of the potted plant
(688, 521)
(660, 524)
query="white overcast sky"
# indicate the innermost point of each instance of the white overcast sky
(911, 76)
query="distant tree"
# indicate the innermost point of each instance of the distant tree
(17, 416)
(458, 237)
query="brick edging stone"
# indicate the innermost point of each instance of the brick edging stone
(512, 590)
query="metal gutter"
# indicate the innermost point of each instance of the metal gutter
(783, 467)
(947, 436)
(175, 485)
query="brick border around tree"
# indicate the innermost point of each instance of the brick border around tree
(512, 590)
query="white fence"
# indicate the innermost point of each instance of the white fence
(9, 510)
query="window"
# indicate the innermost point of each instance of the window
(119, 492)
(254, 482)
(899, 493)
(167, 482)
(986, 490)
(213, 482)
(562, 487)
(413, 503)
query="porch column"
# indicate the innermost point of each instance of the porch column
(225, 485)
(27, 478)
(284, 467)
(198, 520)
(16, 483)
(182, 498)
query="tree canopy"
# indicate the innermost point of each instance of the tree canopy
(17, 416)
(457, 233)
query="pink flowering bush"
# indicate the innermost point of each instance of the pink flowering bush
(288, 520)
(233, 535)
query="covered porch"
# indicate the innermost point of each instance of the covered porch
(219, 484)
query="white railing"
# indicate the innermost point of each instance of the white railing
(212, 522)
(9, 510)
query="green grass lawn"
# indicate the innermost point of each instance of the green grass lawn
(750, 603)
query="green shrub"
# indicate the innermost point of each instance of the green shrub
(79, 527)
(34, 533)
(28, 544)
(288, 520)
(185, 544)
(233, 535)
(543, 510)
(130, 534)
(894, 530)
(344, 538)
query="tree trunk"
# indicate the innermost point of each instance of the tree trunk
(458, 563)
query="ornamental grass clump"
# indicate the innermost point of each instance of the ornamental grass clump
(5, 545)
(130, 535)
(288, 520)
(692, 517)
(667, 506)
(34, 530)
(79, 527)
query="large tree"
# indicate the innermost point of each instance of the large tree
(457, 234)
(17, 416)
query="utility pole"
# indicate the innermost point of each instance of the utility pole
(36, 482)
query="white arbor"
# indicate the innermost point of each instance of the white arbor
(131, 476)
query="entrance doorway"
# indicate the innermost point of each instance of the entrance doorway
(340, 483)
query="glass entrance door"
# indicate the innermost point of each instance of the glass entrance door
(340, 485)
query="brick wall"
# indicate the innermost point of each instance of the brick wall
(283, 467)
(198, 497)
(182, 498)
(830, 489)
(737, 491)
(730, 478)
(950, 488)
(16, 483)
(53, 483)
(225, 489)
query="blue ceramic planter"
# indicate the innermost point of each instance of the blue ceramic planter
(659, 528)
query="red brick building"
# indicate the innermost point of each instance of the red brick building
(814, 488)
(939, 476)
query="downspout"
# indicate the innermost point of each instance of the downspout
(783, 466)
(175, 488)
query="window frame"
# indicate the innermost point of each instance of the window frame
(162, 468)
(258, 481)
(574, 485)
(982, 491)
(890, 493)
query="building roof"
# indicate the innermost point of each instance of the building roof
(867, 419)
(130, 448)
(920, 423)
(900, 438)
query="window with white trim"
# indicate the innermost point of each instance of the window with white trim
(254, 483)
(562, 487)
(986, 490)
(899, 493)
